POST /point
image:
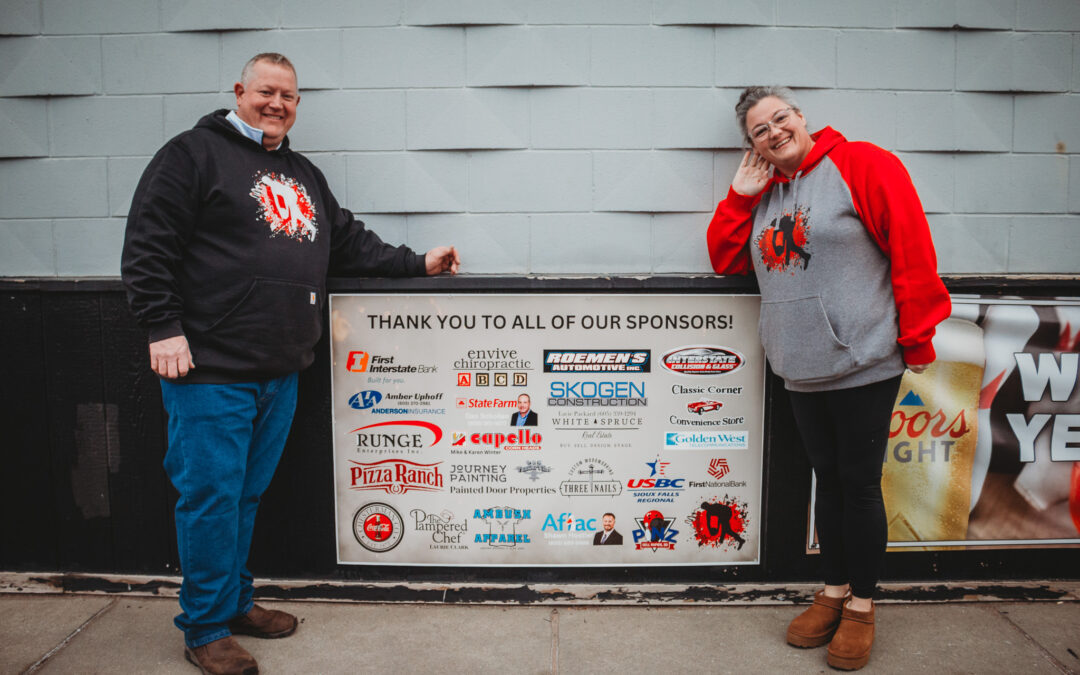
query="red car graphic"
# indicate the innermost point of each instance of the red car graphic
(704, 405)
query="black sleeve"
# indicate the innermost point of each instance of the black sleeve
(163, 214)
(357, 251)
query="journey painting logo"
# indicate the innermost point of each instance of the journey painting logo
(720, 523)
(784, 241)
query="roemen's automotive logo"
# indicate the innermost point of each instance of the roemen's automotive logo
(362, 400)
(397, 435)
(706, 440)
(596, 361)
(702, 360)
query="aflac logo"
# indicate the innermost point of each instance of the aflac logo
(566, 522)
(365, 399)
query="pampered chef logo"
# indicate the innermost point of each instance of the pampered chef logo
(395, 476)
(702, 360)
(596, 361)
(590, 477)
(706, 440)
(445, 530)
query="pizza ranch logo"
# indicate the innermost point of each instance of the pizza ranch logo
(284, 204)
(396, 476)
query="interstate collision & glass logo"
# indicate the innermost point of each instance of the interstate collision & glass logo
(705, 360)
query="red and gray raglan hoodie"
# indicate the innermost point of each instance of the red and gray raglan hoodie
(845, 263)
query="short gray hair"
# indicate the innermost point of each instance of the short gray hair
(752, 95)
(269, 57)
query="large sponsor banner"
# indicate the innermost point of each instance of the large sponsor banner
(984, 447)
(547, 429)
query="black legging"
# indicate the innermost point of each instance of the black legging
(846, 433)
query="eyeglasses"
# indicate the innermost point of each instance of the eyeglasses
(778, 120)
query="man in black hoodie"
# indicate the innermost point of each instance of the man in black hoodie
(229, 241)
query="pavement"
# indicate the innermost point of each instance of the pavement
(72, 632)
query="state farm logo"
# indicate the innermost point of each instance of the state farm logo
(472, 403)
(378, 527)
(596, 361)
(398, 435)
(702, 360)
(395, 476)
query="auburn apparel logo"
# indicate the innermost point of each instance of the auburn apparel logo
(285, 205)
(782, 244)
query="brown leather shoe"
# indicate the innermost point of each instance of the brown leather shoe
(850, 647)
(816, 625)
(264, 623)
(222, 657)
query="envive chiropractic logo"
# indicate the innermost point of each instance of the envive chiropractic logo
(395, 476)
(702, 360)
(406, 434)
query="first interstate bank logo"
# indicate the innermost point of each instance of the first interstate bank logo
(706, 440)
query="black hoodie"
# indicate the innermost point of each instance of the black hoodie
(230, 245)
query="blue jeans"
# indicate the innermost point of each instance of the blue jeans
(225, 441)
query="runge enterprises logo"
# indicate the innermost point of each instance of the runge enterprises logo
(596, 361)
(706, 440)
(402, 436)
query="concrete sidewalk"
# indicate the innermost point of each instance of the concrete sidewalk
(105, 633)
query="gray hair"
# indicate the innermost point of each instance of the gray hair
(269, 57)
(752, 95)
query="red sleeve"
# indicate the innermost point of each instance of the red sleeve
(888, 205)
(729, 233)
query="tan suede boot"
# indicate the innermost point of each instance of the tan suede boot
(816, 625)
(222, 657)
(850, 647)
(264, 623)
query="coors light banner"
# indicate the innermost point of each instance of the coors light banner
(547, 429)
(984, 448)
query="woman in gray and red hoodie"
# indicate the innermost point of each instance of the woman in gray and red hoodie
(850, 297)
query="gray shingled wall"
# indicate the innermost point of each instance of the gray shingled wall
(549, 136)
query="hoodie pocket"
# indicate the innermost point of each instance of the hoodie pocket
(801, 343)
(274, 316)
